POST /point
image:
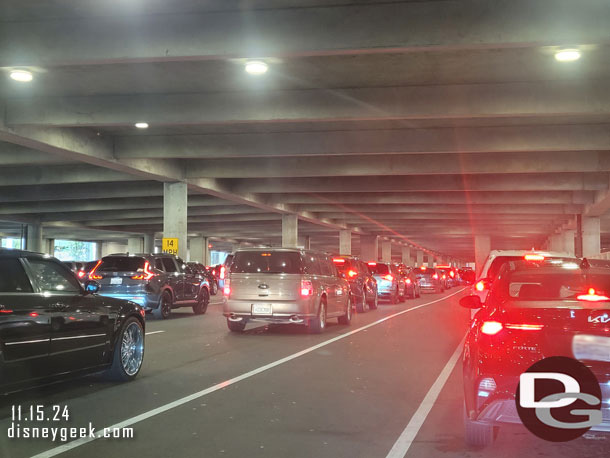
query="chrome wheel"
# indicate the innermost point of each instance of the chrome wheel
(132, 348)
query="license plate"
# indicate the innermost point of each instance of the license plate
(262, 309)
(116, 281)
(594, 348)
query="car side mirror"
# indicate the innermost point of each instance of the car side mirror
(471, 302)
(92, 287)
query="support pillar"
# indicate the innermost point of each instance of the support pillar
(591, 237)
(420, 258)
(290, 231)
(386, 251)
(568, 241)
(482, 247)
(149, 243)
(48, 246)
(556, 242)
(430, 260)
(406, 255)
(369, 248)
(345, 241)
(175, 213)
(34, 238)
(134, 244)
(305, 242)
(99, 249)
(199, 251)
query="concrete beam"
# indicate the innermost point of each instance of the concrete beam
(525, 182)
(439, 209)
(283, 32)
(511, 139)
(82, 191)
(56, 174)
(567, 97)
(401, 164)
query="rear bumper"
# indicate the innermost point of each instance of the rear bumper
(289, 312)
(147, 301)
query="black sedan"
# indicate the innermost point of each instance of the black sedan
(534, 310)
(51, 325)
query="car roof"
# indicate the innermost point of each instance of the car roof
(548, 254)
(13, 253)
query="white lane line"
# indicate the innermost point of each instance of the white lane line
(172, 405)
(154, 332)
(402, 445)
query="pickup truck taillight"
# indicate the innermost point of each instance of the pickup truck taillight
(306, 288)
(227, 288)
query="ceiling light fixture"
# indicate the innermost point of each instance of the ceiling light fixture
(141, 125)
(256, 67)
(567, 55)
(23, 76)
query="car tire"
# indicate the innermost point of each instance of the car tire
(318, 324)
(128, 351)
(164, 310)
(202, 302)
(347, 318)
(394, 297)
(478, 434)
(418, 293)
(361, 306)
(374, 303)
(214, 288)
(236, 326)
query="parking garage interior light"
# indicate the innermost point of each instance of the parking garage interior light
(567, 55)
(256, 67)
(141, 125)
(23, 76)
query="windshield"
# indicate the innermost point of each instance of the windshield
(272, 262)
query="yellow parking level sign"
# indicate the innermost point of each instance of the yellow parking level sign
(170, 246)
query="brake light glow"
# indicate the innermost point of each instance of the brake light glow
(491, 328)
(222, 272)
(435, 276)
(525, 327)
(533, 257)
(339, 260)
(372, 263)
(80, 273)
(5, 311)
(480, 286)
(227, 288)
(452, 274)
(423, 268)
(389, 277)
(306, 288)
(93, 275)
(146, 275)
(352, 274)
(408, 281)
(592, 296)
(33, 314)
(444, 276)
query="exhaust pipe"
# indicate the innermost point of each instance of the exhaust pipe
(233, 317)
(296, 319)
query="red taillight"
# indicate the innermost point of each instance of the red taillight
(80, 273)
(227, 288)
(372, 263)
(93, 275)
(339, 260)
(5, 311)
(352, 274)
(444, 276)
(389, 277)
(222, 272)
(525, 327)
(306, 288)
(408, 281)
(491, 327)
(452, 273)
(533, 257)
(33, 314)
(423, 267)
(146, 275)
(435, 276)
(480, 286)
(592, 296)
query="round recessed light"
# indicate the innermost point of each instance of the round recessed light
(256, 67)
(141, 125)
(23, 76)
(567, 55)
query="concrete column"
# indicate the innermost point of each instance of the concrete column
(34, 239)
(420, 258)
(430, 260)
(290, 231)
(48, 245)
(556, 242)
(345, 241)
(568, 241)
(149, 243)
(99, 245)
(482, 247)
(134, 244)
(406, 255)
(305, 241)
(369, 248)
(591, 238)
(386, 251)
(175, 213)
(199, 251)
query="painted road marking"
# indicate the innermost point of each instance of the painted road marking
(402, 445)
(154, 332)
(172, 405)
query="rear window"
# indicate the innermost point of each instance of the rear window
(497, 264)
(379, 269)
(267, 262)
(121, 264)
(12, 277)
(342, 264)
(425, 273)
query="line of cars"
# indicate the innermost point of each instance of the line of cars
(530, 306)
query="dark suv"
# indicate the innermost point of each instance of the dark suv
(362, 284)
(158, 282)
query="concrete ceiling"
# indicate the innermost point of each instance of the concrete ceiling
(425, 122)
